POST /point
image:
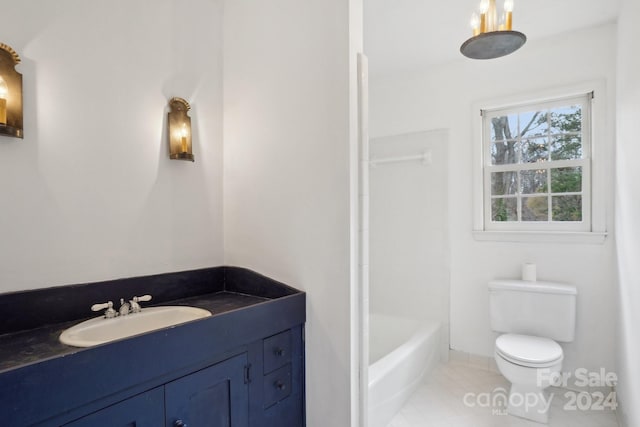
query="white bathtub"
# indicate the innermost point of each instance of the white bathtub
(401, 352)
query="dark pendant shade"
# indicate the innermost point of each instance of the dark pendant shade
(493, 44)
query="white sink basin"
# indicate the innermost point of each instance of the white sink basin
(100, 330)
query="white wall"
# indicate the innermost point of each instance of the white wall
(627, 208)
(289, 146)
(90, 192)
(408, 228)
(442, 98)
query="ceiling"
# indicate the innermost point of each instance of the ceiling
(409, 35)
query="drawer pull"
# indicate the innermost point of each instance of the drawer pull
(280, 385)
(179, 423)
(279, 352)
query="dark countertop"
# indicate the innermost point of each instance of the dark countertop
(45, 382)
(19, 349)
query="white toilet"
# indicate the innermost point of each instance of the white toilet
(532, 316)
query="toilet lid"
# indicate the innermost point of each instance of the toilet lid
(528, 350)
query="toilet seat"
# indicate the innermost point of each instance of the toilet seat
(529, 351)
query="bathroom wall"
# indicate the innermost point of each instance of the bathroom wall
(409, 250)
(442, 97)
(90, 192)
(627, 208)
(289, 76)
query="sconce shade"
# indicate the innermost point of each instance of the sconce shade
(180, 147)
(10, 93)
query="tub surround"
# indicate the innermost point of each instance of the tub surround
(48, 383)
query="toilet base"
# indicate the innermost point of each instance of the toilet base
(529, 402)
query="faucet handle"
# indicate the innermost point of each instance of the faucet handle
(135, 307)
(109, 313)
(142, 298)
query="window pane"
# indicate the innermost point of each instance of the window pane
(535, 150)
(566, 119)
(534, 181)
(533, 123)
(504, 209)
(566, 180)
(503, 152)
(503, 183)
(566, 208)
(503, 146)
(535, 208)
(566, 147)
(504, 128)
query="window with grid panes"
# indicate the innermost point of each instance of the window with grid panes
(537, 166)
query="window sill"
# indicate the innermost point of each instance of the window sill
(596, 238)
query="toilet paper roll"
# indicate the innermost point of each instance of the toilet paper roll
(529, 272)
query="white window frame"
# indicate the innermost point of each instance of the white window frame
(592, 229)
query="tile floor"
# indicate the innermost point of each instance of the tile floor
(439, 402)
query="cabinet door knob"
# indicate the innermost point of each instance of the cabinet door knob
(280, 385)
(179, 423)
(279, 351)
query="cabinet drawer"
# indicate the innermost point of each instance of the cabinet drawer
(277, 351)
(277, 386)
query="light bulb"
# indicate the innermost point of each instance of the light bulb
(475, 24)
(183, 139)
(508, 11)
(4, 90)
(501, 22)
(475, 21)
(508, 5)
(484, 6)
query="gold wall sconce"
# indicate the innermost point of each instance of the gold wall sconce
(180, 147)
(10, 93)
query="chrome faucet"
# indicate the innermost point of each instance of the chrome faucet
(109, 312)
(135, 307)
(125, 307)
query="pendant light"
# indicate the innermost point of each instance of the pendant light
(493, 37)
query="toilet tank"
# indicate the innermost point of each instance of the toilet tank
(543, 309)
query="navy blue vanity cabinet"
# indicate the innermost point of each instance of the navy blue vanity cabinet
(217, 396)
(277, 379)
(241, 367)
(143, 410)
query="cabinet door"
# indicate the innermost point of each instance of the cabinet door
(213, 397)
(143, 410)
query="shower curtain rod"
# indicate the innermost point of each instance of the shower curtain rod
(425, 157)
